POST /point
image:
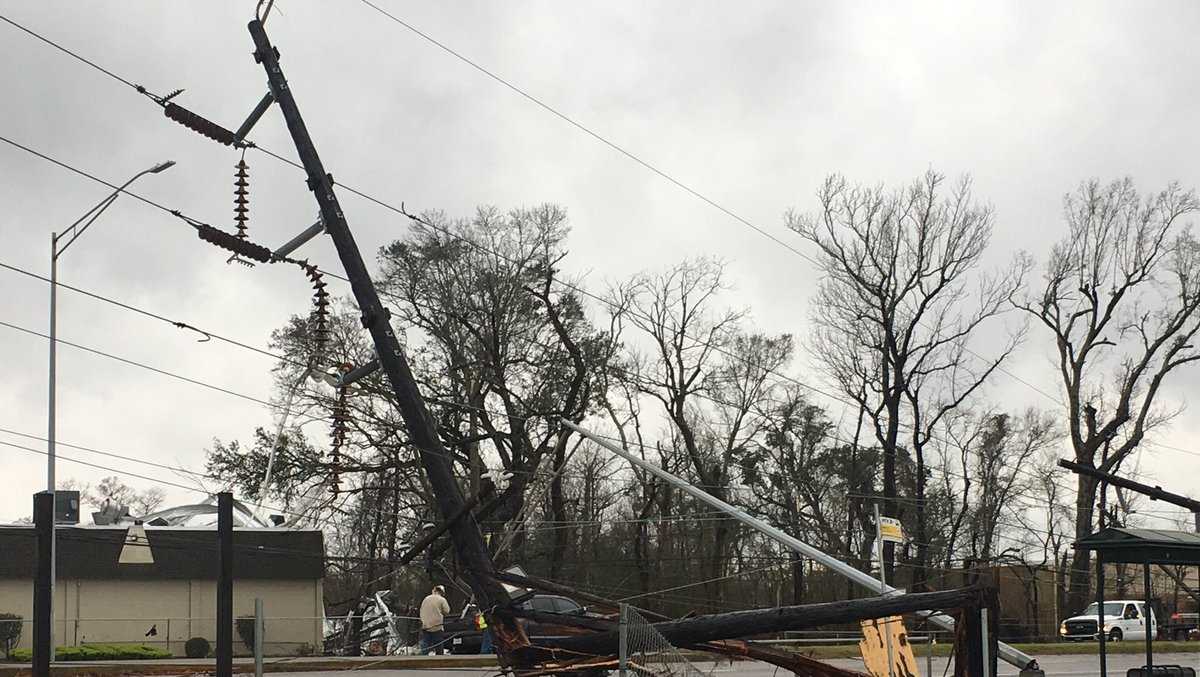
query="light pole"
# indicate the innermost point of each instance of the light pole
(71, 234)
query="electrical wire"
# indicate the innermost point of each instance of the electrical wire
(141, 365)
(524, 94)
(142, 311)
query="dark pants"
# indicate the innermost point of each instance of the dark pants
(485, 644)
(431, 640)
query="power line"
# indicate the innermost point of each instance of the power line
(586, 130)
(142, 311)
(141, 365)
(414, 218)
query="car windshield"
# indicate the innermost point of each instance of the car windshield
(1111, 609)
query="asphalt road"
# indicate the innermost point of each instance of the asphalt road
(1055, 666)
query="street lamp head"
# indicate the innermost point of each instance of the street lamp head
(162, 166)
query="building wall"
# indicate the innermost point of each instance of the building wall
(106, 611)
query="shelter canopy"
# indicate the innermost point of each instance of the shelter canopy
(1136, 546)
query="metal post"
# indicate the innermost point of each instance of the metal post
(623, 642)
(883, 589)
(50, 419)
(43, 520)
(1103, 636)
(1010, 654)
(983, 650)
(1146, 616)
(224, 584)
(929, 652)
(259, 636)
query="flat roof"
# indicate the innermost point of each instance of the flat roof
(92, 553)
(1156, 546)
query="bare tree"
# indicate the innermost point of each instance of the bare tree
(900, 300)
(1120, 298)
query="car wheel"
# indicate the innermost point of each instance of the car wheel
(1115, 635)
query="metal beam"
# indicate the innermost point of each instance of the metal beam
(1007, 653)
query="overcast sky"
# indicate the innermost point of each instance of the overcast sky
(751, 104)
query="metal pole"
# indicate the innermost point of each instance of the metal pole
(224, 584)
(258, 637)
(623, 642)
(43, 520)
(984, 648)
(929, 641)
(883, 588)
(1102, 635)
(1146, 616)
(1006, 652)
(50, 420)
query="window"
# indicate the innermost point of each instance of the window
(1131, 612)
(543, 604)
(565, 606)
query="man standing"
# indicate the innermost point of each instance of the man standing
(433, 614)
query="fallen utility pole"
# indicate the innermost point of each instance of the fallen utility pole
(798, 664)
(1027, 664)
(468, 540)
(697, 630)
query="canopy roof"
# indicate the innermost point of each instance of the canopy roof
(1156, 546)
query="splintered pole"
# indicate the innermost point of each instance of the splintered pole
(1024, 662)
(468, 540)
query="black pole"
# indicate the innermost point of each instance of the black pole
(224, 584)
(1146, 616)
(470, 547)
(1101, 635)
(43, 520)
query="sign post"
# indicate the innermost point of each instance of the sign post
(886, 529)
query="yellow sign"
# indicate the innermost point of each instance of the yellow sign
(874, 647)
(891, 530)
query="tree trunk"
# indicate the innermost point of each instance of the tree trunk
(1079, 590)
(797, 578)
(920, 574)
(558, 514)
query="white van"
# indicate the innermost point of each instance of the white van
(1123, 619)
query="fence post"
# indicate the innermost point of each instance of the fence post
(623, 641)
(929, 642)
(983, 632)
(259, 637)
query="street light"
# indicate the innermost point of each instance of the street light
(71, 234)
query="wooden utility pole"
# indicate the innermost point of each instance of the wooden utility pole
(464, 531)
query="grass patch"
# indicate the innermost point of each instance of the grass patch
(97, 652)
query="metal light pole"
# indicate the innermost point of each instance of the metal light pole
(71, 234)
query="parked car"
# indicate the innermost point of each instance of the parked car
(1123, 619)
(465, 638)
(1182, 626)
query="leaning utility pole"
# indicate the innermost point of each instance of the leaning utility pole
(468, 540)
